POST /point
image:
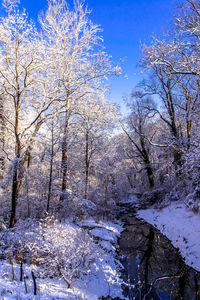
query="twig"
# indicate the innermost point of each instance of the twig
(64, 278)
(26, 290)
(21, 271)
(34, 283)
(11, 262)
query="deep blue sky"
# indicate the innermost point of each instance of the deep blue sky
(126, 24)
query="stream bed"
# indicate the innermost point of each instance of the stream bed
(153, 268)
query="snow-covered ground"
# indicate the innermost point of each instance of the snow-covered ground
(181, 226)
(102, 279)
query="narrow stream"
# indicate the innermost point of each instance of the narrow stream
(153, 268)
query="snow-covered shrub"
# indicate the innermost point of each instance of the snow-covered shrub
(58, 249)
(185, 181)
(96, 206)
(188, 187)
(5, 197)
(77, 207)
(152, 197)
(73, 249)
(2, 225)
(193, 200)
(105, 204)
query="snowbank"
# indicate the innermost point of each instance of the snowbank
(181, 226)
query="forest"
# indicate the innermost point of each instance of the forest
(67, 153)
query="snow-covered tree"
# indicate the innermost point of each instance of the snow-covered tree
(138, 131)
(22, 80)
(77, 61)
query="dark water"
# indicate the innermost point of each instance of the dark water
(154, 269)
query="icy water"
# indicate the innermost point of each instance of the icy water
(154, 269)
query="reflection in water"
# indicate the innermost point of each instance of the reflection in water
(154, 269)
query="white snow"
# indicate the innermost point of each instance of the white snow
(181, 226)
(101, 279)
(115, 227)
(104, 234)
(132, 200)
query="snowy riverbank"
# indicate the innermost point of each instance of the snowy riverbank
(181, 226)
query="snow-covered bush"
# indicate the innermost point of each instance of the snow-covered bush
(193, 200)
(58, 249)
(73, 249)
(185, 181)
(149, 198)
(188, 187)
(76, 207)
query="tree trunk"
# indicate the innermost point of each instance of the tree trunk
(27, 197)
(150, 175)
(148, 167)
(130, 181)
(64, 162)
(50, 184)
(87, 163)
(189, 129)
(19, 165)
(177, 158)
(16, 170)
(2, 136)
(15, 192)
(51, 169)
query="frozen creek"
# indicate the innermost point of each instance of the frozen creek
(153, 268)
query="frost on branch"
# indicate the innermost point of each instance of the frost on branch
(10, 4)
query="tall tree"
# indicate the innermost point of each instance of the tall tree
(166, 87)
(77, 60)
(97, 118)
(22, 81)
(138, 131)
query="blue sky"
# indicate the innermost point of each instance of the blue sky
(126, 24)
